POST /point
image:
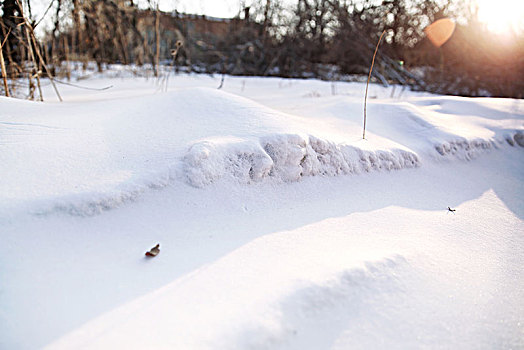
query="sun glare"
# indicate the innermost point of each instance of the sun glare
(502, 16)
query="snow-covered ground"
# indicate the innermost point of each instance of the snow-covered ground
(279, 227)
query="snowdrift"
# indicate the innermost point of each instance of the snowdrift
(270, 313)
(286, 158)
(86, 157)
(279, 227)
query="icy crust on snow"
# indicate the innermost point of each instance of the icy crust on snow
(287, 158)
(515, 139)
(465, 149)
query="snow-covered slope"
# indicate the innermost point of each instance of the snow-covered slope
(279, 226)
(88, 156)
(403, 281)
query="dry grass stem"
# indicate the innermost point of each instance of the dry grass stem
(2, 65)
(367, 84)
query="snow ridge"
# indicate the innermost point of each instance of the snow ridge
(516, 138)
(95, 203)
(465, 149)
(277, 157)
(286, 157)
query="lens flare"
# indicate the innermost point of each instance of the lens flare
(502, 16)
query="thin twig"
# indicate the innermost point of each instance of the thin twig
(26, 25)
(45, 13)
(41, 59)
(2, 65)
(82, 87)
(221, 81)
(367, 84)
(45, 67)
(5, 39)
(4, 76)
(33, 58)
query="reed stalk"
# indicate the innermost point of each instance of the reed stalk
(367, 84)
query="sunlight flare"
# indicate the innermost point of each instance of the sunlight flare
(503, 16)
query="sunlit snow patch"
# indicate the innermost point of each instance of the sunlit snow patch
(286, 157)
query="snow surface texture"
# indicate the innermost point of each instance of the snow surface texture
(203, 135)
(262, 244)
(287, 158)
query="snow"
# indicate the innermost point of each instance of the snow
(279, 227)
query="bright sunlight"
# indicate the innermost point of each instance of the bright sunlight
(502, 16)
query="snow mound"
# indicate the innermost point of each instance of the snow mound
(97, 152)
(281, 317)
(287, 158)
(329, 305)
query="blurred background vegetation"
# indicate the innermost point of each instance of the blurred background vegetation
(326, 39)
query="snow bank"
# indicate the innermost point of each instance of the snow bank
(97, 151)
(286, 157)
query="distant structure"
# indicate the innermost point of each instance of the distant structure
(198, 33)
